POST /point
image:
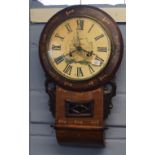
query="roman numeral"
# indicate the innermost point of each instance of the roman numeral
(68, 69)
(99, 59)
(102, 49)
(79, 72)
(98, 37)
(80, 24)
(60, 37)
(91, 69)
(68, 27)
(56, 47)
(91, 28)
(59, 59)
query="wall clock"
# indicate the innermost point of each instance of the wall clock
(80, 50)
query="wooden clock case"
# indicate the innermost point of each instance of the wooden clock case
(80, 107)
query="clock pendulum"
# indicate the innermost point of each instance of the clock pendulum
(80, 50)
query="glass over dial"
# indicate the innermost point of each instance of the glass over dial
(79, 48)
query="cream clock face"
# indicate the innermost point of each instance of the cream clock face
(79, 48)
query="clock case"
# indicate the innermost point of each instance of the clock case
(103, 80)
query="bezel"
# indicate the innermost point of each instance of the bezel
(111, 29)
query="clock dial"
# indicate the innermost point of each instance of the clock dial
(79, 48)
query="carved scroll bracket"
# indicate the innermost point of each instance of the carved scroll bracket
(109, 93)
(50, 90)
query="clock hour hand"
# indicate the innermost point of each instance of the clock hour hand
(68, 57)
(97, 61)
(70, 53)
(89, 53)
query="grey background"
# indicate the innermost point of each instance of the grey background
(42, 136)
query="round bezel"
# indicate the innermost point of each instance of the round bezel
(111, 29)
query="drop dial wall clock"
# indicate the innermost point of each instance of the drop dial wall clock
(80, 50)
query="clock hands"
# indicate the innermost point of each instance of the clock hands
(97, 61)
(68, 57)
(70, 53)
(79, 48)
(71, 60)
(87, 55)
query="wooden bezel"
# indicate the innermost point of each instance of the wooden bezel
(110, 27)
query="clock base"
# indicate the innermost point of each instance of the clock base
(80, 116)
